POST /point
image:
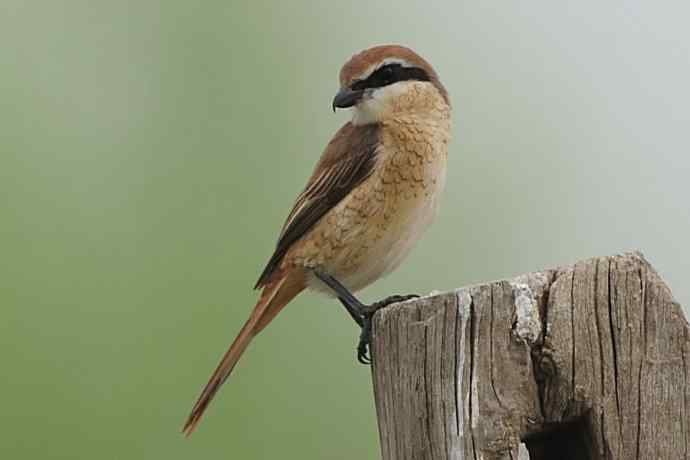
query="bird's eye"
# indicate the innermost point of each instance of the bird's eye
(383, 76)
(387, 73)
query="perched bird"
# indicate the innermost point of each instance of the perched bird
(373, 192)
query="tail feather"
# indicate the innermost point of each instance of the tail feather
(273, 298)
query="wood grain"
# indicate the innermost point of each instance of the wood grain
(590, 361)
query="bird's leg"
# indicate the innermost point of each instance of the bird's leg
(362, 314)
(353, 306)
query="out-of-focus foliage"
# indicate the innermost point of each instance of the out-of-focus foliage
(150, 150)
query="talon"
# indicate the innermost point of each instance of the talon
(362, 352)
(364, 340)
(367, 315)
(363, 358)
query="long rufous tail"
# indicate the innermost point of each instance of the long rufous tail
(275, 296)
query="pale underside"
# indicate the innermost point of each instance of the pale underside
(369, 233)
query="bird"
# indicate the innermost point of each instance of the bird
(375, 189)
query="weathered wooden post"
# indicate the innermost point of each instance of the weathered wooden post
(590, 361)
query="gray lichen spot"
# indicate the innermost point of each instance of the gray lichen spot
(527, 326)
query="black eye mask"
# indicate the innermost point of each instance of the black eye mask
(389, 74)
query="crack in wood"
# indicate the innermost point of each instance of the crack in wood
(607, 376)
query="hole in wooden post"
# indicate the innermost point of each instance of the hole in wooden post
(562, 441)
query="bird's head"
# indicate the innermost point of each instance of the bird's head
(387, 80)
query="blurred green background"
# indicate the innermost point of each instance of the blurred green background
(150, 150)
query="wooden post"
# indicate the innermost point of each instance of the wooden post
(590, 361)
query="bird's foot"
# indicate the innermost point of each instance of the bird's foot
(367, 316)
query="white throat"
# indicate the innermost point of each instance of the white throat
(377, 103)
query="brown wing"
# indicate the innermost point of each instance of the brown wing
(348, 159)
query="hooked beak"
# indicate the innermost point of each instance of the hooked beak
(347, 97)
